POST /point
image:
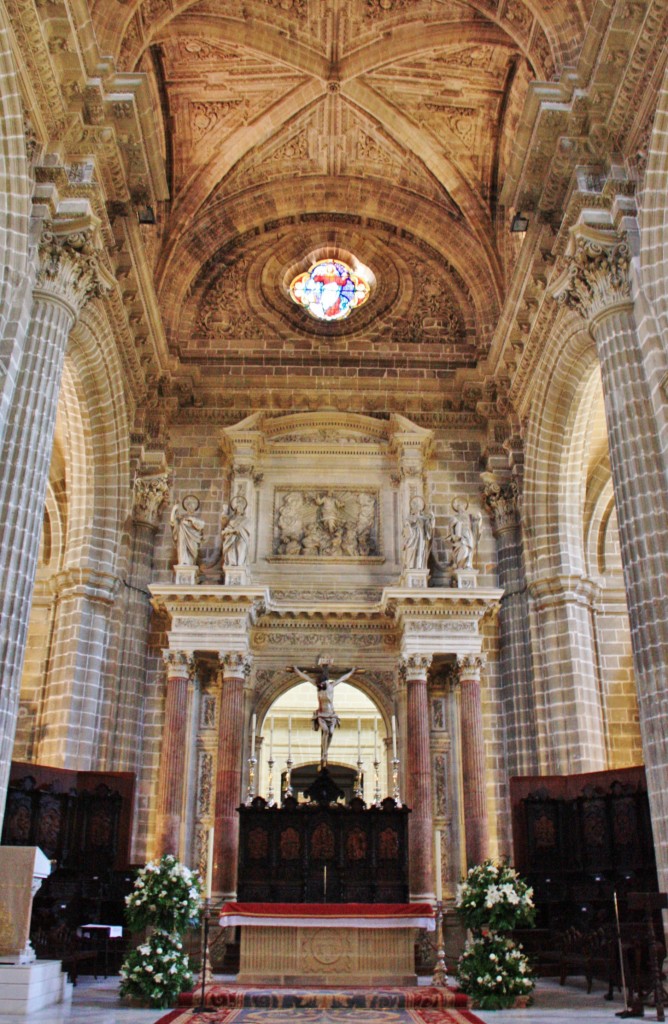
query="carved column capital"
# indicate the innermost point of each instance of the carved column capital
(179, 664)
(148, 498)
(69, 268)
(414, 667)
(235, 665)
(596, 279)
(502, 503)
(469, 667)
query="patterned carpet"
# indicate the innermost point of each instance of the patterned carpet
(239, 996)
(316, 1015)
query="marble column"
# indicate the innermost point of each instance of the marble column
(69, 274)
(418, 784)
(179, 665)
(229, 773)
(596, 285)
(473, 760)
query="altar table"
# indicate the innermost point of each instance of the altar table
(328, 944)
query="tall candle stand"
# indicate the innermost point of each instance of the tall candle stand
(252, 765)
(287, 788)
(440, 978)
(358, 791)
(395, 781)
(206, 976)
(376, 783)
(271, 802)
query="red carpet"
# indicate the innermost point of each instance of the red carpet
(246, 996)
(300, 1015)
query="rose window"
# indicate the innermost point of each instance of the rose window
(330, 290)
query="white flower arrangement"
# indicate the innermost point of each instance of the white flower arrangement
(494, 897)
(166, 894)
(157, 971)
(494, 971)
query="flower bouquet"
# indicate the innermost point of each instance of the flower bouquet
(166, 895)
(493, 896)
(494, 971)
(157, 971)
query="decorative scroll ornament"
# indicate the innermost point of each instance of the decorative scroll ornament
(69, 267)
(597, 276)
(150, 494)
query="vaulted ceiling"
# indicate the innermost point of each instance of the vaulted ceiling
(376, 130)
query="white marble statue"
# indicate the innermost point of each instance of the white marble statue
(187, 530)
(234, 532)
(418, 535)
(325, 718)
(463, 534)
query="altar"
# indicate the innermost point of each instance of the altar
(328, 944)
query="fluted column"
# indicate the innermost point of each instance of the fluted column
(418, 778)
(597, 286)
(69, 274)
(179, 665)
(235, 668)
(473, 760)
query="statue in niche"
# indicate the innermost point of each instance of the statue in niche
(463, 534)
(234, 533)
(325, 718)
(187, 530)
(418, 534)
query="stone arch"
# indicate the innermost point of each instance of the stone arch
(653, 220)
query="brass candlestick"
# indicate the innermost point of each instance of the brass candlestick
(287, 789)
(440, 978)
(252, 764)
(270, 784)
(395, 781)
(358, 791)
(376, 784)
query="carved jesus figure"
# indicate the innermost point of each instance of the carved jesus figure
(325, 718)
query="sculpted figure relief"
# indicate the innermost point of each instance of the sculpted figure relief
(463, 535)
(234, 532)
(327, 524)
(418, 535)
(187, 530)
(325, 718)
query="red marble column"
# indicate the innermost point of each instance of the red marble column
(418, 779)
(172, 760)
(229, 774)
(473, 760)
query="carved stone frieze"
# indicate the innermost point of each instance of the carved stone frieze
(440, 789)
(149, 496)
(596, 278)
(204, 783)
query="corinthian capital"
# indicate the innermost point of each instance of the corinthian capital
(596, 278)
(149, 495)
(69, 265)
(502, 502)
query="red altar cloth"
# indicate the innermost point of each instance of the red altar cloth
(329, 915)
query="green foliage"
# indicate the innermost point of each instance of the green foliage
(493, 896)
(166, 895)
(493, 970)
(157, 971)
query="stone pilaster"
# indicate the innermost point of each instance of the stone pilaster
(179, 665)
(418, 781)
(473, 760)
(229, 773)
(515, 666)
(597, 286)
(122, 746)
(68, 276)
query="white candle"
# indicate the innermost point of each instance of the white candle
(253, 727)
(359, 739)
(375, 739)
(394, 737)
(271, 740)
(289, 737)
(209, 865)
(438, 871)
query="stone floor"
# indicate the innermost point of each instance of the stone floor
(96, 1002)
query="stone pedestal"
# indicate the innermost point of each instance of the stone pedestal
(415, 579)
(22, 870)
(465, 579)
(236, 576)
(186, 575)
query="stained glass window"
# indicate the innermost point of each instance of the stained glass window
(330, 290)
